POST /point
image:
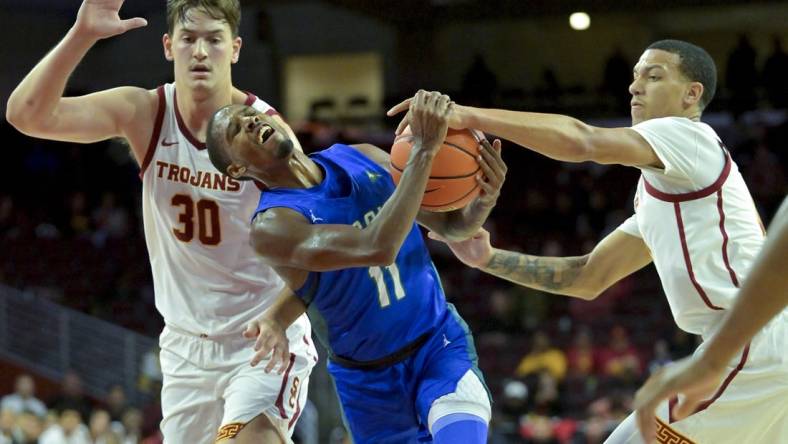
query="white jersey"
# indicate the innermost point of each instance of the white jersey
(698, 219)
(207, 279)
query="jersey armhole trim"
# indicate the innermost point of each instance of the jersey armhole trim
(694, 195)
(154, 139)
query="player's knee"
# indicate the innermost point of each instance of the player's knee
(460, 428)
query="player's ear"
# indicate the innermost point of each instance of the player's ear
(167, 44)
(237, 42)
(693, 94)
(235, 171)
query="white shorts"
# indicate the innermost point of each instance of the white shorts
(210, 392)
(752, 408)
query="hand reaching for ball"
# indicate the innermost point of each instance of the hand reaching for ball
(429, 119)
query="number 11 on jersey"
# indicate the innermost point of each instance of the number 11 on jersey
(376, 273)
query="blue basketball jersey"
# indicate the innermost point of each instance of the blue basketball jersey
(371, 312)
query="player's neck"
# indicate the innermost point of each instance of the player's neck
(301, 172)
(197, 106)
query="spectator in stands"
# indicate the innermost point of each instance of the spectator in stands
(546, 397)
(618, 72)
(23, 399)
(71, 396)
(28, 429)
(661, 356)
(620, 360)
(132, 426)
(69, 430)
(100, 430)
(7, 425)
(111, 221)
(78, 220)
(479, 83)
(582, 357)
(775, 71)
(150, 371)
(503, 315)
(115, 404)
(542, 357)
(682, 344)
(742, 77)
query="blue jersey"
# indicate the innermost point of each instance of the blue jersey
(371, 312)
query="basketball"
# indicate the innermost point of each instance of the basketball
(452, 183)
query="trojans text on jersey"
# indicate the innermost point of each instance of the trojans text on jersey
(202, 179)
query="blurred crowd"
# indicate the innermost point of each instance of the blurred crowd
(70, 417)
(560, 370)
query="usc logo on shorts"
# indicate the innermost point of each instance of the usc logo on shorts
(229, 431)
(666, 435)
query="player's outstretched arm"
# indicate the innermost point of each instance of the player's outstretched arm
(617, 256)
(285, 239)
(36, 107)
(553, 135)
(762, 296)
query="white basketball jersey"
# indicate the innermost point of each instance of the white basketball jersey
(207, 279)
(698, 219)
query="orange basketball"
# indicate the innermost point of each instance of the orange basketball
(452, 183)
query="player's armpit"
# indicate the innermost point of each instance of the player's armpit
(622, 146)
(284, 238)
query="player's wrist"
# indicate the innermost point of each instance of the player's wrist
(81, 37)
(464, 117)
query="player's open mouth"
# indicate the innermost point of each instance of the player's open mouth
(264, 133)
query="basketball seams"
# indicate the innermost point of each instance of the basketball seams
(455, 146)
(442, 205)
(463, 176)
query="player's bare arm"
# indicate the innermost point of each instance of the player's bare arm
(615, 257)
(269, 331)
(36, 107)
(286, 239)
(462, 223)
(556, 136)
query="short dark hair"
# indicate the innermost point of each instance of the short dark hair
(215, 144)
(695, 63)
(227, 10)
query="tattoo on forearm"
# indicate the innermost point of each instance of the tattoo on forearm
(544, 273)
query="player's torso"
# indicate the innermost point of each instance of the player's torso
(370, 311)
(702, 244)
(206, 276)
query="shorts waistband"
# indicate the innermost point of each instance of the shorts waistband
(202, 335)
(398, 356)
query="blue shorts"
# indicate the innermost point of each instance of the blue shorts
(391, 405)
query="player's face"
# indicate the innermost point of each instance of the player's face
(255, 140)
(202, 49)
(659, 89)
